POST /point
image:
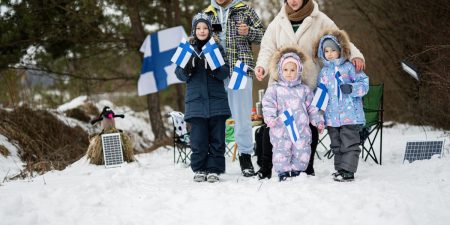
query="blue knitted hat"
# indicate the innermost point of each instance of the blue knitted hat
(201, 17)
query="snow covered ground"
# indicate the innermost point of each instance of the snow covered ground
(156, 191)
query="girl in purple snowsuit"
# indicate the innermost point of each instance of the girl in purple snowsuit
(289, 93)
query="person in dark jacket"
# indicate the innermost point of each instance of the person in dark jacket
(206, 105)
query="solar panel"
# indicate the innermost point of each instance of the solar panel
(112, 149)
(419, 150)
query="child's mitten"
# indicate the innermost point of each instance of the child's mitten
(346, 88)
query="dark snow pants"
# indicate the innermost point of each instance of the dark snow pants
(345, 142)
(208, 144)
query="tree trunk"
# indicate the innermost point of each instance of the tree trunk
(154, 110)
(178, 87)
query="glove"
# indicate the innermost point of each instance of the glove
(191, 64)
(346, 88)
(209, 72)
(207, 67)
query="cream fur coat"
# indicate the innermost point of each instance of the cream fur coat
(280, 34)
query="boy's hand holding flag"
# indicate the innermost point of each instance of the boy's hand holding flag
(183, 53)
(212, 54)
(239, 78)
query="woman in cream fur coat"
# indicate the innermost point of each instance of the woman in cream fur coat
(299, 22)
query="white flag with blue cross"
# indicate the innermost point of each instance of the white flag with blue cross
(289, 123)
(157, 71)
(321, 97)
(239, 78)
(212, 54)
(337, 83)
(183, 53)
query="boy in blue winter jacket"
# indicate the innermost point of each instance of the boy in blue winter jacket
(344, 113)
(206, 105)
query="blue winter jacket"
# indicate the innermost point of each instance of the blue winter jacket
(349, 109)
(205, 92)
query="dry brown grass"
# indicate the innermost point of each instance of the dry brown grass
(95, 151)
(78, 114)
(45, 142)
(4, 151)
(90, 109)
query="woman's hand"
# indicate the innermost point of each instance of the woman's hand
(259, 72)
(321, 127)
(359, 64)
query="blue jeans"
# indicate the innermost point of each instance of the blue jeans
(241, 102)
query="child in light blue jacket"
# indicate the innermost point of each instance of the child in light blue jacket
(344, 115)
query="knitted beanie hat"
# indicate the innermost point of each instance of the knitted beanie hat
(201, 17)
(331, 44)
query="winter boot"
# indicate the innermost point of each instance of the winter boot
(310, 171)
(345, 176)
(283, 176)
(295, 173)
(264, 173)
(212, 177)
(335, 174)
(245, 162)
(200, 176)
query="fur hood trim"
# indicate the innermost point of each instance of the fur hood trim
(340, 35)
(306, 77)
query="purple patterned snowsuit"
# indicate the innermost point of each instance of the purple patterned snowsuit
(279, 97)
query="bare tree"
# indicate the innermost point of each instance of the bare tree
(153, 103)
(388, 32)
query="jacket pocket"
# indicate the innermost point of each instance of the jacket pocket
(218, 94)
(192, 95)
(218, 102)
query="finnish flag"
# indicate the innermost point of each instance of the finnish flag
(238, 79)
(212, 54)
(183, 53)
(337, 83)
(321, 97)
(157, 71)
(289, 122)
